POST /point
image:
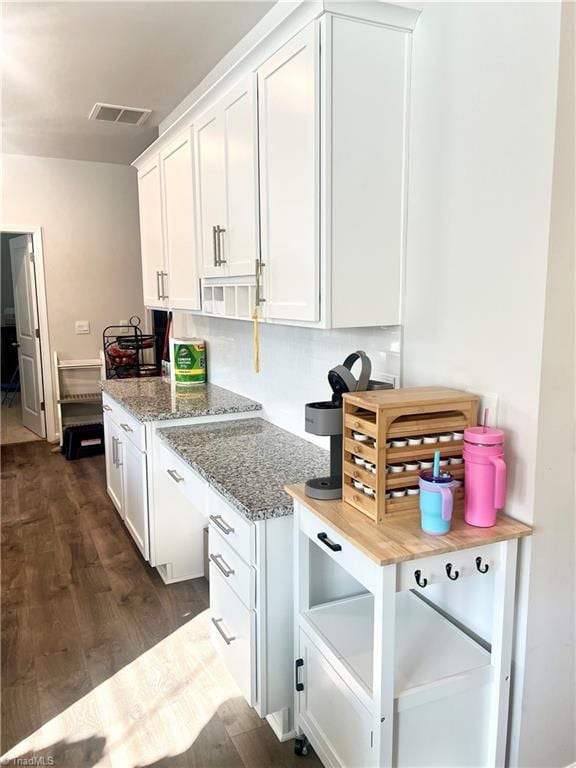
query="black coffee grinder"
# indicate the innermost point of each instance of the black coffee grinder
(325, 418)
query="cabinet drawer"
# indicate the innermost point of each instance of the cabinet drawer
(336, 547)
(129, 426)
(239, 576)
(462, 564)
(237, 531)
(233, 634)
(182, 476)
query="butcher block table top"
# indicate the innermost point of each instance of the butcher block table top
(401, 538)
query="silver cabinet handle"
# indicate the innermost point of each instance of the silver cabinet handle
(259, 298)
(215, 245)
(222, 565)
(162, 276)
(175, 476)
(106, 408)
(158, 285)
(114, 453)
(118, 446)
(219, 522)
(220, 231)
(126, 428)
(217, 623)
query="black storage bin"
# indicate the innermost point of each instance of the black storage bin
(85, 440)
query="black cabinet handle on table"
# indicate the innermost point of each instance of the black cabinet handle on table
(297, 664)
(330, 544)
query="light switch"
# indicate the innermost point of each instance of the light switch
(82, 326)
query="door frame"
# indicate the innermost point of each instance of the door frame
(42, 305)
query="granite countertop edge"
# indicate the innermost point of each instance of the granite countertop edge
(124, 401)
(283, 509)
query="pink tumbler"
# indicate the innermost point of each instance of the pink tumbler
(485, 475)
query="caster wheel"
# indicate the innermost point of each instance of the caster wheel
(301, 746)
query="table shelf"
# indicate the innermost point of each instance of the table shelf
(429, 649)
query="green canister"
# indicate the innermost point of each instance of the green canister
(188, 361)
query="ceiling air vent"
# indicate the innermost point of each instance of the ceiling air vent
(113, 113)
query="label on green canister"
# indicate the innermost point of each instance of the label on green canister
(190, 362)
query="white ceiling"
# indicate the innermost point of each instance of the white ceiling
(61, 58)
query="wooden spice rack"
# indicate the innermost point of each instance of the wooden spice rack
(385, 415)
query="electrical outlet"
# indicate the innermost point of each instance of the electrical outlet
(82, 326)
(390, 378)
(489, 405)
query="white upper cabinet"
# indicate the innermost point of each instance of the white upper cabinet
(332, 174)
(152, 234)
(226, 141)
(366, 75)
(211, 191)
(300, 156)
(182, 283)
(288, 98)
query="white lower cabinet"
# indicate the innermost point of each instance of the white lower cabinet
(251, 605)
(233, 634)
(134, 481)
(113, 464)
(126, 474)
(180, 517)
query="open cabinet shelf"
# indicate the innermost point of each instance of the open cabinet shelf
(347, 627)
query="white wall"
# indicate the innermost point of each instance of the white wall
(294, 362)
(482, 147)
(89, 218)
(549, 712)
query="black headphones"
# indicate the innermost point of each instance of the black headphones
(342, 380)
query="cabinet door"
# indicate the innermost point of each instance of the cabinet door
(210, 188)
(232, 633)
(135, 495)
(288, 107)
(180, 516)
(178, 193)
(113, 465)
(240, 241)
(151, 234)
(330, 713)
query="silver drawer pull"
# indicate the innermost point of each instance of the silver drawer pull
(175, 476)
(126, 428)
(219, 522)
(226, 639)
(106, 408)
(222, 565)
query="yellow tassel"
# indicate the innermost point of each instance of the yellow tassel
(256, 341)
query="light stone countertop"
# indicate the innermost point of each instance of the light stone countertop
(248, 462)
(156, 399)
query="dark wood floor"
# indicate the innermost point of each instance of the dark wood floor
(102, 664)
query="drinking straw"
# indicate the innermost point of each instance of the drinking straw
(485, 422)
(436, 464)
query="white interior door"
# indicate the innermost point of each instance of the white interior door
(27, 334)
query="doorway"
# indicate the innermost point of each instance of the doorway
(23, 403)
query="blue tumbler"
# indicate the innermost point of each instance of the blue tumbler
(436, 502)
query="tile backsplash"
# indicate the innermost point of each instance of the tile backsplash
(294, 362)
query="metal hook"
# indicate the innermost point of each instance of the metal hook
(421, 582)
(451, 576)
(479, 566)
